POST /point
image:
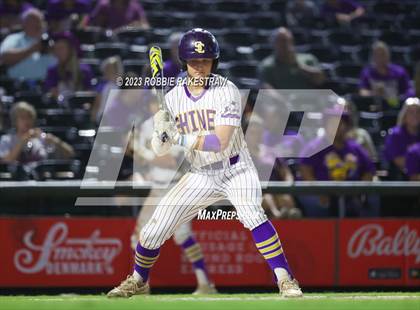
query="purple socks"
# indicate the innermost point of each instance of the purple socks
(268, 244)
(144, 260)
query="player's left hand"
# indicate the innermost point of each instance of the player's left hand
(166, 129)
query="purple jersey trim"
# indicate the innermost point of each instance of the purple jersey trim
(189, 95)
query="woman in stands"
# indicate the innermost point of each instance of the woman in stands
(402, 136)
(68, 75)
(111, 68)
(25, 143)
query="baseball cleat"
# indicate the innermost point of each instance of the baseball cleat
(290, 289)
(128, 288)
(207, 289)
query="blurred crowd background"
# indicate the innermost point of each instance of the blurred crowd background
(59, 61)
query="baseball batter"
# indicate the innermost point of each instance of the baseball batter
(208, 120)
(162, 169)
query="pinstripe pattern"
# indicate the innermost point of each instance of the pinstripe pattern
(225, 101)
(200, 188)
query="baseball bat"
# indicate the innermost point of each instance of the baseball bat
(156, 65)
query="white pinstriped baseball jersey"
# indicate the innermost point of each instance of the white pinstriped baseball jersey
(216, 105)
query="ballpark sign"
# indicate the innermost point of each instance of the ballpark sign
(64, 252)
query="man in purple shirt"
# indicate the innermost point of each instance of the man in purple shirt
(402, 136)
(344, 11)
(114, 14)
(60, 13)
(344, 160)
(385, 79)
(412, 162)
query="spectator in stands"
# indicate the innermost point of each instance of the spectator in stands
(112, 68)
(412, 162)
(344, 160)
(385, 79)
(25, 53)
(26, 143)
(11, 11)
(277, 205)
(115, 14)
(343, 11)
(300, 12)
(402, 136)
(286, 69)
(63, 15)
(68, 75)
(358, 134)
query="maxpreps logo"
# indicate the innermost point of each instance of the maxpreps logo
(60, 255)
(199, 47)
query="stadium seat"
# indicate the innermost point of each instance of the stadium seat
(32, 97)
(245, 69)
(233, 6)
(340, 87)
(79, 118)
(264, 20)
(160, 35)
(348, 71)
(106, 49)
(395, 38)
(239, 36)
(13, 172)
(181, 6)
(367, 104)
(343, 38)
(9, 85)
(133, 35)
(57, 169)
(262, 51)
(136, 51)
(210, 20)
(134, 65)
(90, 35)
(158, 19)
(324, 53)
(79, 99)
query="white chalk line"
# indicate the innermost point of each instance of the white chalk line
(233, 298)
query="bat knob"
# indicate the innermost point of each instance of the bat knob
(164, 137)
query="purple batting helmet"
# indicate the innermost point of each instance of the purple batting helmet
(198, 43)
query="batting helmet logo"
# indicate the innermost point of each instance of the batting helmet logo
(199, 47)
